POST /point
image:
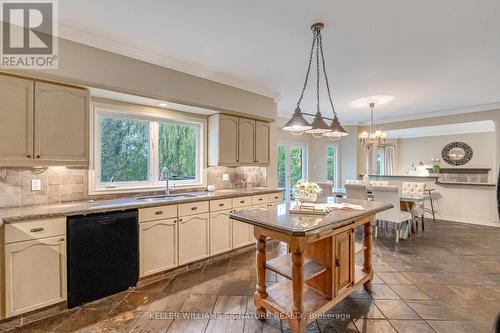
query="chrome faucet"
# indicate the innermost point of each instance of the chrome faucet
(164, 176)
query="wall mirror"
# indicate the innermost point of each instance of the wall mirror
(457, 153)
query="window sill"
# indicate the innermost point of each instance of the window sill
(120, 190)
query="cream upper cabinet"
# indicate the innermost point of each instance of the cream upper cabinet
(220, 232)
(246, 141)
(158, 246)
(16, 121)
(235, 141)
(262, 142)
(61, 124)
(193, 238)
(35, 274)
(223, 140)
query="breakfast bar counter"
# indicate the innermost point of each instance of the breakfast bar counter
(320, 268)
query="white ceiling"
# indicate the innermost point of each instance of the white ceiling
(449, 129)
(433, 56)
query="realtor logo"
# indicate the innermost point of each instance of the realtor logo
(29, 34)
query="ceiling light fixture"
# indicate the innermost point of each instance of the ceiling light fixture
(318, 128)
(374, 136)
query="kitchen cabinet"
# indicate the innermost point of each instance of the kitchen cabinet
(35, 274)
(220, 232)
(223, 140)
(61, 124)
(158, 246)
(43, 124)
(193, 238)
(262, 133)
(246, 141)
(238, 141)
(16, 120)
(242, 234)
(344, 261)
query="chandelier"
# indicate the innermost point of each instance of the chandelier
(374, 137)
(297, 125)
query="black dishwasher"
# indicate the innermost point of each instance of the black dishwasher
(103, 255)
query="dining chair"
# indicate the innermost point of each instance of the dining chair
(354, 181)
(379, 183)
(356, 191)
(390, 195)
(326, 191)
(416, 190)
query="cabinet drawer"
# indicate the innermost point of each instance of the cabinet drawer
(193, 208)
(157, 213)
(259, 199)
(30, 230)
(275, 197)
(216, 205)
(242, 202)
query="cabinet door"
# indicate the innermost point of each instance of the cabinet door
(344, 261)
(61, 124)
(228, 140)
(193, 238)
(261, 142)
(246, 141)
(220, 232)
(35, 274)
(16, 121)
(158, 246)
(242, 234)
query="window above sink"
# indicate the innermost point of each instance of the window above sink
(132, 146)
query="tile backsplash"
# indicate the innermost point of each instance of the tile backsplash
(58, 184)
(61, 184)
(247, 176)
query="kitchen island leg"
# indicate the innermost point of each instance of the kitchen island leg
(260, 292)
(367, 255)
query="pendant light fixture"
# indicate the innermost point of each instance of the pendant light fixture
(318, 127)
(374, 136)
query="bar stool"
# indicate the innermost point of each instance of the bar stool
(431, 210)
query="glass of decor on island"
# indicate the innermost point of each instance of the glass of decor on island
(306, 192)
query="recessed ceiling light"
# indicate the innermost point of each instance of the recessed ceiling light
(163, 105)
(364, 102)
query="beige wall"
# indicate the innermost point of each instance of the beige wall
(413, 150)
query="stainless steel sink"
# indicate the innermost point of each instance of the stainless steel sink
(163, 197)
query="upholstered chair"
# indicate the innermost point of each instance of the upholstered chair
(326, 191)
(416, 190)
(356, 191)
(390, 195)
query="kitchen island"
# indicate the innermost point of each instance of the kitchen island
(320, 268)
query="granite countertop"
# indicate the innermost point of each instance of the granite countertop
(279, 218)
(14, 214)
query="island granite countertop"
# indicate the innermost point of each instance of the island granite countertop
(16, 214)
(300, 225)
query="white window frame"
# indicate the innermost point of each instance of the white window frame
(97, 187)
(336, 175)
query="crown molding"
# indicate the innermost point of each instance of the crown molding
(130, 51)
(438, 113)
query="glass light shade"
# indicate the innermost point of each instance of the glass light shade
(336, 130)
(297, 124)
(318, 125)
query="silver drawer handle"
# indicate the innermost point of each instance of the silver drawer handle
(37, 229)
(159, 212)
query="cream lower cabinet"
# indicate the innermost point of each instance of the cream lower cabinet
(158, 246)
(35, 274)
(193, 238)
(242, 234)
(220, 232)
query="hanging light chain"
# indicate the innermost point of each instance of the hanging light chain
(317, 36)
(308, 70)
(320, 42)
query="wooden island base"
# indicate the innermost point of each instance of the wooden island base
(320, 271)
